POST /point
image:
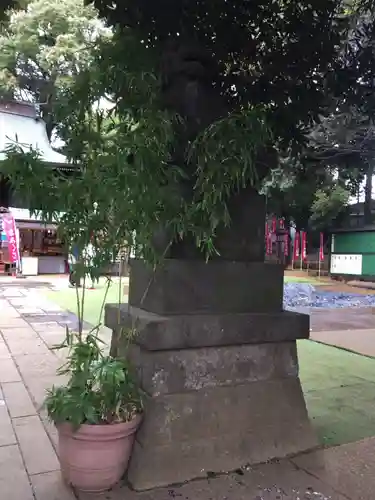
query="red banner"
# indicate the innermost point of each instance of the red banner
(321, 247)
(296, 247)
(281, 224)
(303, 245)
(9, 227)
(286, 245)
(268, 240)
(274, 224)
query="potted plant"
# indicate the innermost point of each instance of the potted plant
(97, 414)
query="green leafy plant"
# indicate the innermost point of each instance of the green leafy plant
(100, 390)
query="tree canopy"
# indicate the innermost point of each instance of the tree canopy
(286, 56)
(207, 99)
(42, 50)
(308, 65)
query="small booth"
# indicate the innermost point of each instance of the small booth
(353, 253)
(41, 250)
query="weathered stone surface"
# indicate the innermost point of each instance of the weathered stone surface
(219, 430)
(214, 411)
(179, 371)
(193, 286)
(217, 359)
(242, 240)
(155, 332)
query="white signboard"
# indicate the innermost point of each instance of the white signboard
(346, 264)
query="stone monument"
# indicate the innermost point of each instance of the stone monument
(216, 357)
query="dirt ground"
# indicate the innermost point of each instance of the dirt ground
(350, 318)
(339, 286)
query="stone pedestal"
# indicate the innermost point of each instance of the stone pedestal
(216, 356)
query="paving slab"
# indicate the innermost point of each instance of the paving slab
(7, 435)
(18, 400)
(38, 386)
(349, 468)
(17, 302)
(53, 337)
(359, 341)
(16, 333)
(277, 481)
(9, 292)
(8, 371)
(45, 326)
(14, 483)
(7, 321)
(49, 486)
(50, 429)
(349, 318)
(37, 365)
(9, 312)
(29, 311)
(25, 347)
(36, 447)
(4, 351)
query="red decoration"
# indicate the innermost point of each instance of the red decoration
(286, 245)
(281, 224)
(268, 240)
(321, 247)
(304, 245)
(9, 227)
(296, 247)
(274, 224)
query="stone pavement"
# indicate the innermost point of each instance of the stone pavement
(29, 468)
(348, 318)
(343, 473)
(359, 341)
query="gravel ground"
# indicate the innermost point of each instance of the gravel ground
(301, 295)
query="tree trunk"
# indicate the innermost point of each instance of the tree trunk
(5, 192)
(189, 76)
(367, 207)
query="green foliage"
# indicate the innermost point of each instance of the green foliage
(309, 194)
(100, 390)
(328, 205)
(297, 62)
(42, 49)
(122, 154)
(129, 180)
(284, 56)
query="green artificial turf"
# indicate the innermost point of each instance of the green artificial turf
(339, 386)
(302, 279)
(67, 299)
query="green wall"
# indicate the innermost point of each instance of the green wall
(368, 265)
(357, 242)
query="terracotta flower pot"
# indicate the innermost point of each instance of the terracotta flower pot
(95, 457)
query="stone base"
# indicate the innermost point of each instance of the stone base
(192, 331)
(219, 429)
(216, 287)
(222, 391)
